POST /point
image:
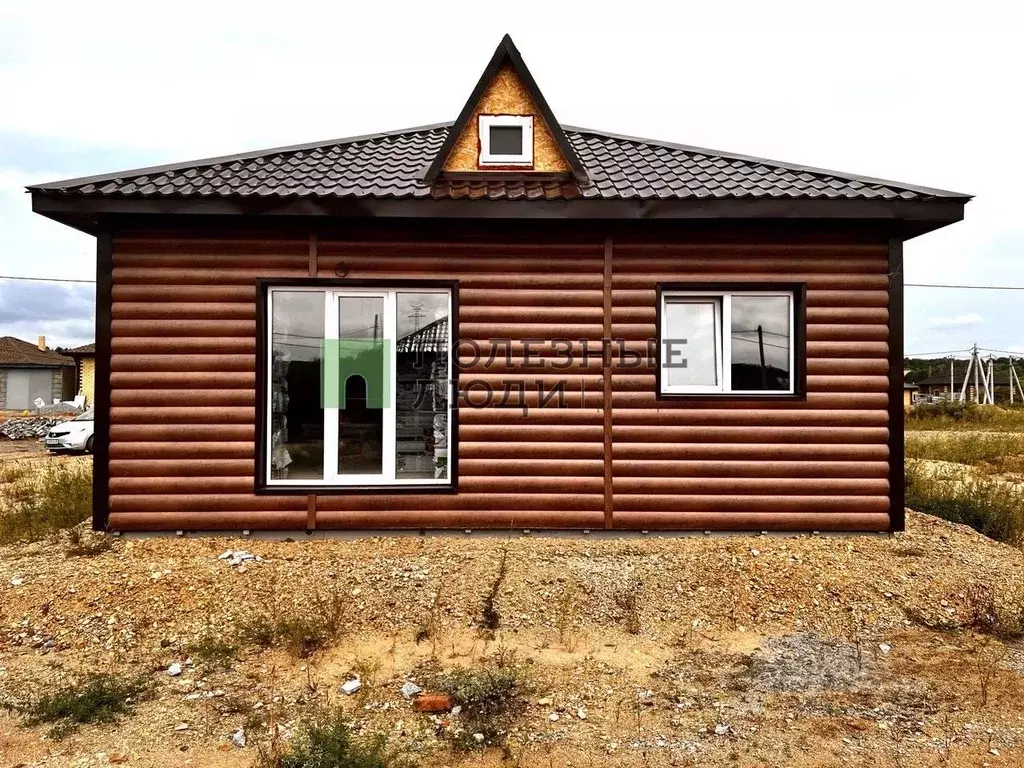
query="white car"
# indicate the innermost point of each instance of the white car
(74, 435)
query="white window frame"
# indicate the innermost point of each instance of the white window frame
(332, 478)
(723, 342)
(484, 125)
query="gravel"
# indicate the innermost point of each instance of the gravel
(753, 642)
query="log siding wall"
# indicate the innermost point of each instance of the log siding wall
(183, 381)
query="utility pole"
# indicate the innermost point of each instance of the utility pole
(991, 380)
(760, 346)
(977, 362)
(967, 375)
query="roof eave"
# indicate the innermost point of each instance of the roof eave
(907, 218)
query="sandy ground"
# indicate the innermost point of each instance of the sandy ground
(742, 651)
(30, 448)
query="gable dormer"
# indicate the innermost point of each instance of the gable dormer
(506, 127)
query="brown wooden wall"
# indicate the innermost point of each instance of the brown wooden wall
(183, 346)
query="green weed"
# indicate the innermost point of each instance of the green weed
(327, 741)
(99, 698)
(491, 697)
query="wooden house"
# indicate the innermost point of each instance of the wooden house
(501, 322)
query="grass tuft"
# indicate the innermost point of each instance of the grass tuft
(327, 741)
(213, 652)
(35, 505)
(87, 544)
(629, 599)
(99, 698)
(989, 506)
(301, 635)
(490, 617)
(491, 697)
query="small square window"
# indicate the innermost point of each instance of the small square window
(506, 140)
(728, 342)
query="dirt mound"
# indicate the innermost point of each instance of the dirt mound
(752, 650)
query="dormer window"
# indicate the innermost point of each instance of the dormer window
(506, 140)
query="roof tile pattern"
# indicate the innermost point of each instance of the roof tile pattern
(392, 165)
(15, 352)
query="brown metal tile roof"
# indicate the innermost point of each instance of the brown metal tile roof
(430, 338)
(85, 350)
(392, 165)
(17, 353)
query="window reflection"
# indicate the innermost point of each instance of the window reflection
(421, 400)
(296, 415)
(760, 343)
(691, 343)
(361, 351)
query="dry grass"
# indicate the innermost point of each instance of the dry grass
(35, 504)
(300, 634)
(994, 453)
(990, 506)
(965, 416)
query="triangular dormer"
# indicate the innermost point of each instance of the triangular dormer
(506, 127)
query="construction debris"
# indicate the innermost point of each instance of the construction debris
(62, 409)
(28, 426)
(410, 689)
(433, 702)
(236, 558)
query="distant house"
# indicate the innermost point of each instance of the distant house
(938, 384)
(908, 394)
(85, 370)
(31, 371)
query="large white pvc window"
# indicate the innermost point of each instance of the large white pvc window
(358, 386)
(736, 342)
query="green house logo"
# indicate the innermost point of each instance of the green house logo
(353, 367)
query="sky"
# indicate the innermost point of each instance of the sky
(921, 92)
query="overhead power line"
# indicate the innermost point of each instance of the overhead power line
(925, 354)
(971, 287)
(45, 279)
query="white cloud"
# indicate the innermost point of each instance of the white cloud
(104, 78)
(971, 318)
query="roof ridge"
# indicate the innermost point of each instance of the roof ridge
(774, 163)
(204, 162)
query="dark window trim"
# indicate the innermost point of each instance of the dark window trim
(799, 291)
(262, 487)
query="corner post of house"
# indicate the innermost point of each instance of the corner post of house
(102, 385)
(897, 489)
